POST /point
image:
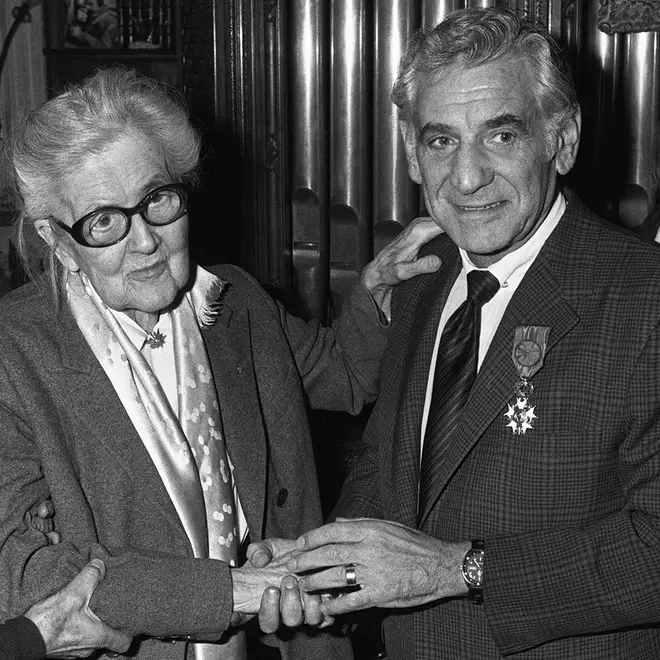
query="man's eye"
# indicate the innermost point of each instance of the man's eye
(504, 137)
(441, 142)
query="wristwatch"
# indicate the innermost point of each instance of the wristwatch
(473, 572)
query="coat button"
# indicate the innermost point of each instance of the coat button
(282, 497)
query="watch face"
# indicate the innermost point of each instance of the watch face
(473, 568)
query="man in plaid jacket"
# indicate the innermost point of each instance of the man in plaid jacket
(538, 535)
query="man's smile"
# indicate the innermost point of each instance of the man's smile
(482, 207)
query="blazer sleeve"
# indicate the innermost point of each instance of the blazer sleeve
(338, 365)
(359, 496)
(144, 593)
(602, 576)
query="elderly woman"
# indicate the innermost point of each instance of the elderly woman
(161, 406)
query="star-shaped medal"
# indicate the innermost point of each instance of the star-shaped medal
(521, 416)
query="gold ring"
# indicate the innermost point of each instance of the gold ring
(351, 578)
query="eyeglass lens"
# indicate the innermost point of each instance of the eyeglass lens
(110, 225)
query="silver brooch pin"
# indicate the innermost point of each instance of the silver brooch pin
(155, 339)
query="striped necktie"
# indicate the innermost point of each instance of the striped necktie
(455, 372)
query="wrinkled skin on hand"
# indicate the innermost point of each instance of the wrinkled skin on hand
(285, 605)
(395, 566)
(398, 262)
(69, 627)
(250, 583)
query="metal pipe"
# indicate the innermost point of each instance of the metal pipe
(350, 180)
(395, 195)
(435, 11)
(597, 59)
(480, 3)
(277, 217)
(309, 171)
(640, 99)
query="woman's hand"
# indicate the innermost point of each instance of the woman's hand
(398, 262)
(280, 604)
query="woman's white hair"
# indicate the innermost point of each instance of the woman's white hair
(53, 141)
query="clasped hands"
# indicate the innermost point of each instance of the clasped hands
(292, 582)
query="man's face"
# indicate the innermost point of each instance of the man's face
(480, 148)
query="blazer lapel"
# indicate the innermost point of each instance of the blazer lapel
(427, 302)
(546, 298)
(230, 352)
(86, 388)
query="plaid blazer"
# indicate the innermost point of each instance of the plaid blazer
(570, 511)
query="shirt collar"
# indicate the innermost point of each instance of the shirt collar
(515, 264)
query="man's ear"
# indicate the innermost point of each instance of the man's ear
(410, 142)
(568, 142)
(66, 257)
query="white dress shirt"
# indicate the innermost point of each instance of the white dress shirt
(509, 270)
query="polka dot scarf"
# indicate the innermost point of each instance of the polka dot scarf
(187, 448)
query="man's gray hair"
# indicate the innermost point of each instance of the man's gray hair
(472, 37)
(53, 141)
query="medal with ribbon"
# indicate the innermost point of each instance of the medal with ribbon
(529, 346)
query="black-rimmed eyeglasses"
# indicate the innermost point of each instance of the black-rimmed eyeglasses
(108, 225)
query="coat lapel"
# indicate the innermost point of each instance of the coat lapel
(229, 347)
(547, 296)
(427, 300)
(87, 388)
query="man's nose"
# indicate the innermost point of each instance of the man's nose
(471, 169)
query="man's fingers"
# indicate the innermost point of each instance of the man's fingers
(40, 524)
(53, 538)
(269, 610)
(332, 578)
(291, 603)
(350, 602)
(116, 641)
(327, 619)
(87, 580)
(336, 532)
(45, 509)
(324, 557)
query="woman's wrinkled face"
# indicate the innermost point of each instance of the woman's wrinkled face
(145, 271)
